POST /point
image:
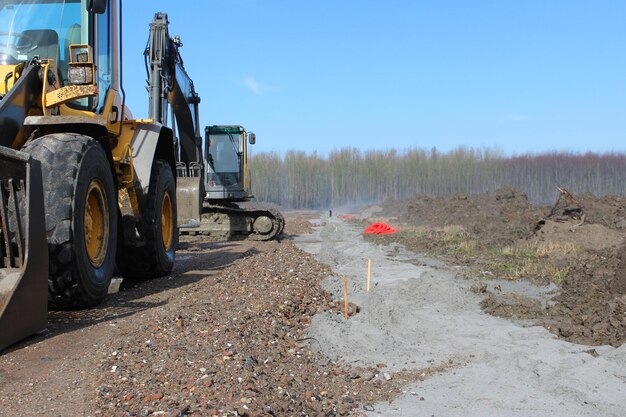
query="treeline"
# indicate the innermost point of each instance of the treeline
(300, 180)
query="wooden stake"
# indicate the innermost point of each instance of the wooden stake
(345, 297)
(369, 273)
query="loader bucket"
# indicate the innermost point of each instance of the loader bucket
(23, 248)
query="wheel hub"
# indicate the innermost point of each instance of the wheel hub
(167, 222)
(96, 223)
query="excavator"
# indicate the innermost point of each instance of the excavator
(85, 188)
(227, 182)
(212, 176)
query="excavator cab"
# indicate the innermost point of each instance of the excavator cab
(227, 175)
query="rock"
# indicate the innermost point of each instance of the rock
(367, 375)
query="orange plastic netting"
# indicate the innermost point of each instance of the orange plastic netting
(379, 228)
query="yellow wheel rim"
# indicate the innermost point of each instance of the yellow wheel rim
(96, 223)
(167, 222)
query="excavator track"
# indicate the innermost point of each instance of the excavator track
(230, 221)
(278, 224)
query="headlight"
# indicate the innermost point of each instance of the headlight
(79, 75)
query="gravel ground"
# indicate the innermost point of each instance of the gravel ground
(223, 335)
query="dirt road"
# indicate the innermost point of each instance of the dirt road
(222, 335)
(418, 313)
(245, 328)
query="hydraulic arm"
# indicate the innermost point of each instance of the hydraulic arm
(170, 87)
(206, 196)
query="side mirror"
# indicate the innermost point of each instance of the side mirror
(97, 6)
(251, 138)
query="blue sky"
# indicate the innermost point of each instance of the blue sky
(522, 76)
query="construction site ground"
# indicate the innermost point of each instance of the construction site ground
(480, 305)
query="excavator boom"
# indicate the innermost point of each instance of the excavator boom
(169, 85)
(206, 196)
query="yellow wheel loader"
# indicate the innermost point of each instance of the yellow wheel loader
(84, 187)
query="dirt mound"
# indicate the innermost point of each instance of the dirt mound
(609, 211)
(499, 218)
(241, 350)
(299, 222)
(590, 236)
(590, 308)
(578, 244)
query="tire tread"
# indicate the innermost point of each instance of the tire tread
(60, 156)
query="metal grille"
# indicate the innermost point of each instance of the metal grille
(11, 223)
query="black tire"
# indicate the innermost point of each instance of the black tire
(81, 218)
(155, 258)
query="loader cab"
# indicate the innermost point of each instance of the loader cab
(227, 165)
(45, 29)
(39, 29)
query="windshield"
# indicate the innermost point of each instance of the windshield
(225, 150)
(42, 28)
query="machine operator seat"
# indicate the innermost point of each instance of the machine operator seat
(46, 42)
